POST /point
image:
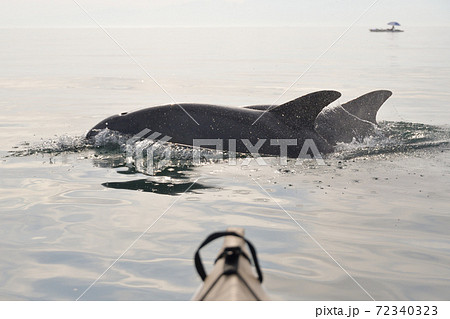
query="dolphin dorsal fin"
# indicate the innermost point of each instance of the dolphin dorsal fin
(366, 106)
(303, 111)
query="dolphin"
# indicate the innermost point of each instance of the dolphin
(242, 130)
(254, 129)
(355, 119)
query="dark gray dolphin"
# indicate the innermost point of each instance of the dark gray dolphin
(305, 118)
(355, 119)
(294, 120)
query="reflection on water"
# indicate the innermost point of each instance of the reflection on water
(144, 185)
(170, 181)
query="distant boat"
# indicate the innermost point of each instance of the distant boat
(392, 29)
(386, 30)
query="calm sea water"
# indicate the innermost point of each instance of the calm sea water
(380, 209)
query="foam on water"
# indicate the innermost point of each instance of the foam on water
(395, 137)
(56, 145)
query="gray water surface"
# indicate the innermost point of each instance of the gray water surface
(68, 211)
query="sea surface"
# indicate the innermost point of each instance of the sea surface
(87, 222)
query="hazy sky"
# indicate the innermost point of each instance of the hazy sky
(43, 13)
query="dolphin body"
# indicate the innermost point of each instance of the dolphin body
(258, 128)
(355, 119)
